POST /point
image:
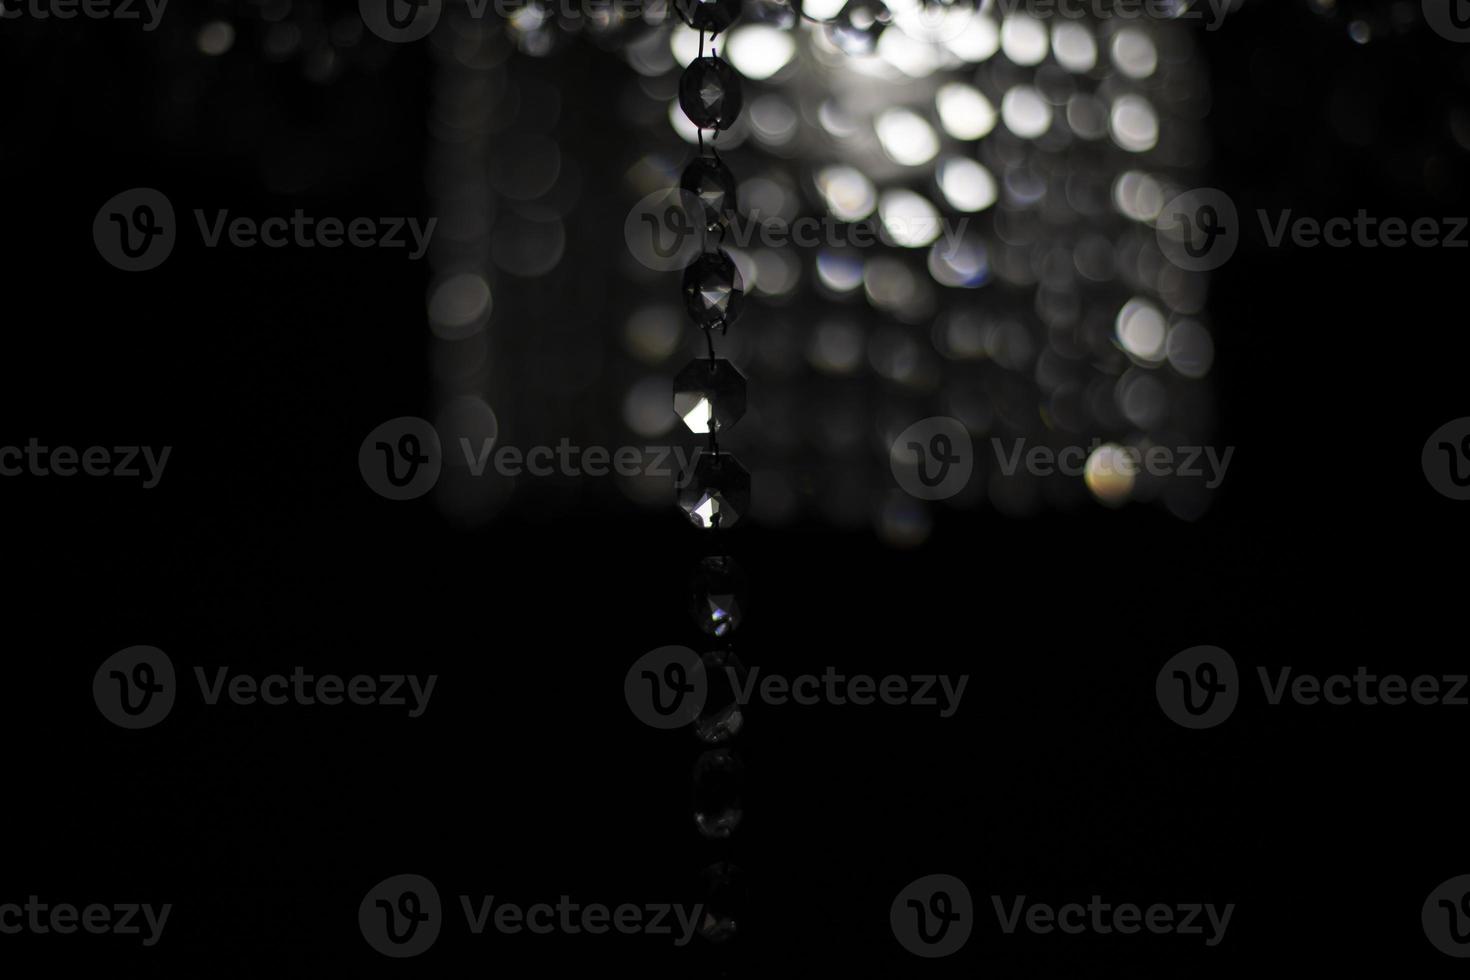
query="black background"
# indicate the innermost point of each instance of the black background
(528, 778)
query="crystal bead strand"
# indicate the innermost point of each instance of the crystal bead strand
(709, 396)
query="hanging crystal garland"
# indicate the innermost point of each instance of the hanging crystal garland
(979, 188)
(709, 397)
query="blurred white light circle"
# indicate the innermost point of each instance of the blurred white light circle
(908, 218)
(1134, 53)
(647, 409)
(906, 137)
(684, 43)
(1023, 39)
(966, 184)
(1074, 47)
(1141, 330)
(822, 9)
(1025, 112)
(979, 39)
(915, 58)
(849, 194)
(1134, 124)
(1109, 474)
(758, 51)
(841, 272)
(1138, 196)
(964, 112)
(459, 306)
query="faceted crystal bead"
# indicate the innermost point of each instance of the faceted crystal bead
(715, 491)
(709, 395)
(713, 290)
(724, 902)
(709, 180)
(708, 15)
(717, 597)
(722, 715)
(856, 27)
(719, 792)
(709, 93)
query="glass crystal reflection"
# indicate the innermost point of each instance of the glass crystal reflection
(709, 180)
(709, 93)
(724, 902)
(713, 290)
(717, 597)
(720, 718)
(855, 30)
(709, 395)
(715, 491)
(718, 793)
